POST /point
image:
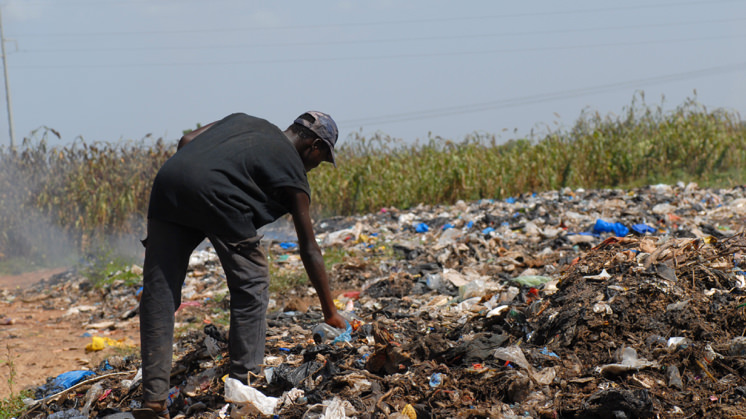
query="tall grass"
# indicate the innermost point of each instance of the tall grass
(62, 201)
(644, 145)
(91, 192)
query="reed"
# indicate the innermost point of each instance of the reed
(642, 146)
(86, 194)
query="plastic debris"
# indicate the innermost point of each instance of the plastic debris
(532, 280)
(335, 408)
(248, 398)
(523, 305)
(409, 412)
(643, 229)
(99, 343)
(91, 396)
(628, 361)
(63, 382)
(436, 379)
(619, 229)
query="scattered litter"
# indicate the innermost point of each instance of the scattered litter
(535, 306)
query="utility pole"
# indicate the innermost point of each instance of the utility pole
(7, 85)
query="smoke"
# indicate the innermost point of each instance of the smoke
(33, 240)
(25, 233)
(32, 236)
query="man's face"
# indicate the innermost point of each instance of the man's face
(318, 152)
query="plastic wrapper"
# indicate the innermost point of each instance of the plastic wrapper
(63, 382)
(246, 397)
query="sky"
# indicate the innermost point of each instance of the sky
(118, 70)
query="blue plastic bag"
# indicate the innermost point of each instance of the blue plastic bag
(345, 336)
(62, 382)
(643, 229)
(619, 229)
(421, 228)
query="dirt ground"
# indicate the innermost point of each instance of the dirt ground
(41, 342)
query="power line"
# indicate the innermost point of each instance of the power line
(526, 100)
(392, 22)
(381, 57)
(386, 40)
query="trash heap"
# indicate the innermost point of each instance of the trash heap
(564, 304)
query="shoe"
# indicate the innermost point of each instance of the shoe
(152, 410)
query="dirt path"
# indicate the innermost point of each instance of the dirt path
(37, 341)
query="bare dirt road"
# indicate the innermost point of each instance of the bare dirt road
(37, 340)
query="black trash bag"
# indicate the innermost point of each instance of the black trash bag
(618, 404)
(478, 349)
(288, 377)
(212, 331)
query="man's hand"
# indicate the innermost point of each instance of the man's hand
(337, 321)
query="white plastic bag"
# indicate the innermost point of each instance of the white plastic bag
(245, 396)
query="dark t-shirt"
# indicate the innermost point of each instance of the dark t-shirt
(228, 180)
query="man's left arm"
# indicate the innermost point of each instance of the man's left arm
(310, 254)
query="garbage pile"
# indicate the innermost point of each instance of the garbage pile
(564, 304)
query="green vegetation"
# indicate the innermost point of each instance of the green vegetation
(13, 406)
(82, 195)
(334, 255)
(284, 277)
(61, 201)
(642, 146)
(105, 268)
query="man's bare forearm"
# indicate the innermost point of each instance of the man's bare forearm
(313, 261)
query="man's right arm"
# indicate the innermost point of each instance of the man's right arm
(311, 256)
(188, 137)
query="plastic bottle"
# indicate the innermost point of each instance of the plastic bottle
(90, 397)
(324, 332)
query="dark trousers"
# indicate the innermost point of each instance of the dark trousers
(167, 250)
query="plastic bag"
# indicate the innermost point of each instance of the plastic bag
(532, 280)
(99, 343)
(246, 397)
(643, 229)
(475, 288)
(628, 362)
(331, 409)
(619, 229)
(515, 355)
(62, 382)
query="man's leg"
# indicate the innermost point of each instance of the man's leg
(247, 272)
(166, 261)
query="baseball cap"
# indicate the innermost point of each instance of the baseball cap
(322, 125)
